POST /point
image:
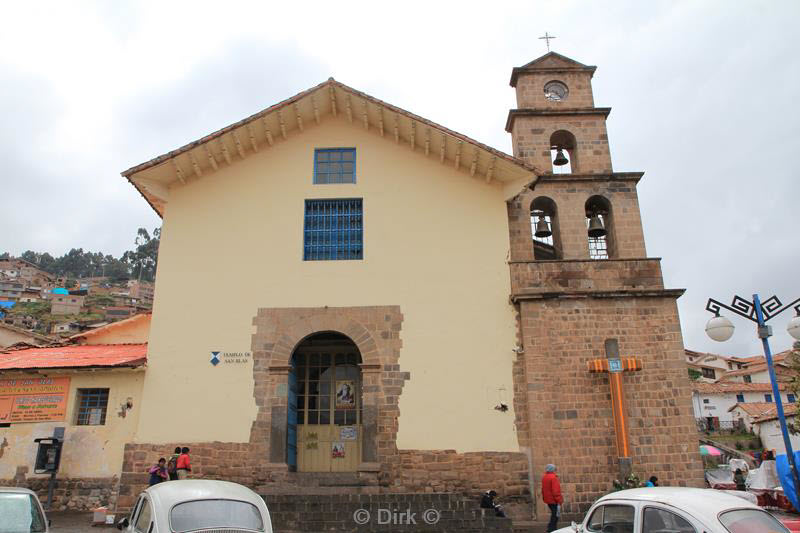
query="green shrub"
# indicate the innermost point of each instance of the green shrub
(739, 445)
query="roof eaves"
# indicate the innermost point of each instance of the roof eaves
(214, 135)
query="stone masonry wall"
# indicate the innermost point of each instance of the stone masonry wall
(570, 409)
(570, 194)
(531, 141)
(414, 471)
(78, 494)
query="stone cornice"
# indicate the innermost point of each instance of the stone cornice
(622, 293)
(590, 261)
(613, 176)
(530, 112)
(516, 71)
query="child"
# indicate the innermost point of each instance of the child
(172, 464)
(158, 472)
(739, 479)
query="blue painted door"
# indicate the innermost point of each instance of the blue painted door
(291, 433)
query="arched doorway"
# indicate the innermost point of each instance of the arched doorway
(324, 415)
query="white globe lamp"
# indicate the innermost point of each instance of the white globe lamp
(720, 328)
(794, 327)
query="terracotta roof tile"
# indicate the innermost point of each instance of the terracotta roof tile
(112, 325)
(754, 408)
(72, 356)
(728, 388)
(788, 409)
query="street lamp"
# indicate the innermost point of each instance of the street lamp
(720, 329)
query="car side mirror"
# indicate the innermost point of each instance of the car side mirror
(122, 524)
(578, 528)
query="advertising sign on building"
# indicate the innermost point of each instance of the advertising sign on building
(33, 400)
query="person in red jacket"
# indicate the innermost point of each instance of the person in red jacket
(184, 465)
(551, 494)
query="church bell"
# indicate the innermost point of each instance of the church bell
(560, 159)
(542, 228)
(596, 228)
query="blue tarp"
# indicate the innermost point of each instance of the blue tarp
(782, 464)
(5, 305)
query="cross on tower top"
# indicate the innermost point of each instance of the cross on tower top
(547, 38)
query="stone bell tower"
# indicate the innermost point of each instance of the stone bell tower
(581, 281)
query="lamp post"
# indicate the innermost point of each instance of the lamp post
(720, 329)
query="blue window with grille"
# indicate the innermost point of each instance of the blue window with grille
(92, 405)
(333, 230)
(334, 165)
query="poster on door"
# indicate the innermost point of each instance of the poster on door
(337, 450)
(345, 395)
(33, 399)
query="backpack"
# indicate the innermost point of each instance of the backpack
(172, 465)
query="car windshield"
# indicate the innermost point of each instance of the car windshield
(751, 521)
(20, 513)
(205, 514)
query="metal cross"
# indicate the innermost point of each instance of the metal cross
(547, 38)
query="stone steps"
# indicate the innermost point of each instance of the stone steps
(439, 512)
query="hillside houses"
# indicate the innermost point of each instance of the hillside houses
(735, 391)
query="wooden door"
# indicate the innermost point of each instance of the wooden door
(328, 408)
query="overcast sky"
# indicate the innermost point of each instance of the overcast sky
(704, 98)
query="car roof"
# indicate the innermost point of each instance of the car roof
(169, 493)
(172, 492)
(698, 502)
(17, 489)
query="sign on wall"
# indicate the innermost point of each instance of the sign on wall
(33, 400)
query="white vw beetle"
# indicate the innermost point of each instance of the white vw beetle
(194, 505)
(21, 511)
(675, 510)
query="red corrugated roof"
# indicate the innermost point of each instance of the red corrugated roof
(90, 355)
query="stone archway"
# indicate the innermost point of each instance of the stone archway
(375, 331)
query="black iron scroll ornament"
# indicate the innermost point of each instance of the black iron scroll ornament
(769, 307)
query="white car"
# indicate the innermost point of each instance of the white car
(197, 504)
(675, 510)
(21, 512)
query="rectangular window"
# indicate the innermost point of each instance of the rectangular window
(334, 165)
(748, 379)
(740, 398)
(768, 398)
(791, 398)
(92, 404)
(706, 400)
(709, 373)
(333, 230)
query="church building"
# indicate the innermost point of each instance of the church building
(398, 308)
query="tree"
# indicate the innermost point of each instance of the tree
(144, 258)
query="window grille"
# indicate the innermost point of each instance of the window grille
(598, 248)
(334, 165)
(740, 398)
(92, 405)
(768, 398)
(333, 230)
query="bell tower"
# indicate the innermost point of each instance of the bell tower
(581, 280)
